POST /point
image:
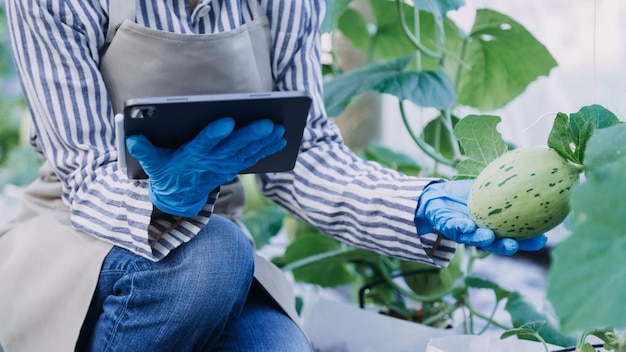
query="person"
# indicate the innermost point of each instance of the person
(98, 261)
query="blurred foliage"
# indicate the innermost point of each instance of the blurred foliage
(18, 162)
(9, 130)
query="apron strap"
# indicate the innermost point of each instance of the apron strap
(255, 9)
(119, 10)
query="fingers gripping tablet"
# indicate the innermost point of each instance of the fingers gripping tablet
(169, 122)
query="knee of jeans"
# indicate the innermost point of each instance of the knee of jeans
(219, 262)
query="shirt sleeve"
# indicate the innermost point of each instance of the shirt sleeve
(56, 47)
(356, 201)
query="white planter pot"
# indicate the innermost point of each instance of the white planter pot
(341, 327)
(480, 343)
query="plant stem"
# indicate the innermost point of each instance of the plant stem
(579, 168)
(441, 39)
(471, 319)
(543, 342)
(442, 314)
(490, 321)
(457, 78)
(318, 257)
(474, 255)
(447, 122)
(370, 50)
(446, 116)
(437, 144)
(621, 344)
(385, 269)
(418, 34)
(609, 337)
(427, 149)
(335, 59)
(416, 42)
(486, 318)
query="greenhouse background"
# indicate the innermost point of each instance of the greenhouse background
(590, 53)
(586, 38)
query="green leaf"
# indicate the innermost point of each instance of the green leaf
(11, 111)
(561, 138)
(316, 258)
(327, 272)
(353, 26)
(334, 9)
(503, 58)
(306, 258)
(424, 88)
(452, 44)
(468, 169)
(481, 283)
(383, 296)
(9, 133)
(264, 223)
(426, 280)
(588, 276)
(255, 200)
(522, 312)
(481, 141)
(391, 159)
(528, 330)
(262, 217)
(389, 41)
(607, 335)
(294, 227)
(588, 348)
(569, 136)
(437, 136)
(439, 7)
(521, 332)
(382, 38)
(430, 88)
(606, 149)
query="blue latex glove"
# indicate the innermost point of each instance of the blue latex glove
(180, 180)
(442, 208)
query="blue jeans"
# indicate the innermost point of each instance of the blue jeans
(201, 297)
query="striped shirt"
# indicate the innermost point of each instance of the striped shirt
(57, 48)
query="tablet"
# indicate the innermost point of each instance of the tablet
(169, 122)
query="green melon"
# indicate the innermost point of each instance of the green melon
(427, 280)
(523, 193)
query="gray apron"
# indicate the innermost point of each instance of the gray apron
(43, 302)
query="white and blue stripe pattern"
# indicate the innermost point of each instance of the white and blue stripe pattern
(57, 46)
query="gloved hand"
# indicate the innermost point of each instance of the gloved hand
(442, 208)
(180, 180)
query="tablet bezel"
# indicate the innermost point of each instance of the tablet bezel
(169, 122)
